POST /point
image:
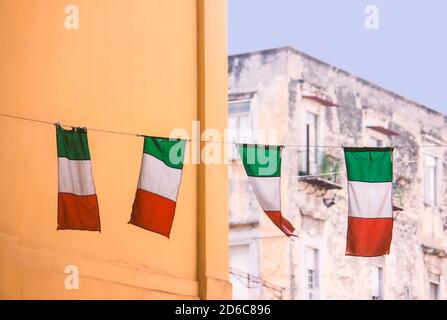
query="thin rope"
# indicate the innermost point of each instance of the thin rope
(198, 141)
(25, 118)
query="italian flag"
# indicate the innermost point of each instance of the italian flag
(263, 167)
(370, 220)
(158, 185)
(77, 201)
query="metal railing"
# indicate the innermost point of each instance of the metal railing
(251, 281)
(320, 163)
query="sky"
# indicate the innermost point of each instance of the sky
(407, 54)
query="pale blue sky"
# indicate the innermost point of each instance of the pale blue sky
(406, 55)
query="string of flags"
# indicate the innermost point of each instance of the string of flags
(369, 172)
(156, 195)
(370, 207)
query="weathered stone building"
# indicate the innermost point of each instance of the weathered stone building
(310, 103)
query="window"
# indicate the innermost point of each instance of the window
(374, 142)
(240, 263)
(431, 181)
(376, 283)
(311, 134)
(312, 273)
(239, 124)
(434, 291)
(434, 280)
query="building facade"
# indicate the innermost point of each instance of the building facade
(306, 102)
(144, 67)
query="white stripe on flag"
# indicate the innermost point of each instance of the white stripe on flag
(75, 176)
(158, 178)
(370, 199)
(267, 191)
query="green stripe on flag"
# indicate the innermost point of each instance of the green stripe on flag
(72, 144)
(170, 151)
(261, 161)
(369, 164)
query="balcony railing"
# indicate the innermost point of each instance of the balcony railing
(251, 281)
(319, 168)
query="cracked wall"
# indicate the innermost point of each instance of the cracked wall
(280, 78)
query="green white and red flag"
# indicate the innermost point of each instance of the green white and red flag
(263, 167)
(370, 215)
(158, 185)
(77, 201)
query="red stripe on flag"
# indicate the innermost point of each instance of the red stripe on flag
(153, 212)
(282, 223)
(75, 212)
(369, 237)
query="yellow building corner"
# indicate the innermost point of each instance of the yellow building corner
(134, 66)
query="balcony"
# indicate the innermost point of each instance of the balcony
(320, 170)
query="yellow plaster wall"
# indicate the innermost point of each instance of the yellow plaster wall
(132, 66)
